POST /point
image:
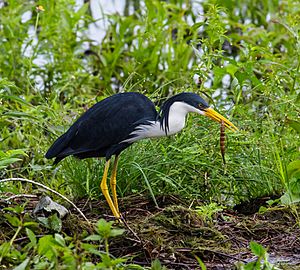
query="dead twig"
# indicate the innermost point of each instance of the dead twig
(21, 196)
(131, 230)
(48, 189)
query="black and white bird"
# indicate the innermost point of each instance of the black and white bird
(113, 124)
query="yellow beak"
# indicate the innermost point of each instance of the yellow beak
(218, 118)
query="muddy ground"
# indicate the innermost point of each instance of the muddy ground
(175, 234)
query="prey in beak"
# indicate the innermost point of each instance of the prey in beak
(211, 113)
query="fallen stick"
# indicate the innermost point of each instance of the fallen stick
(48, 189)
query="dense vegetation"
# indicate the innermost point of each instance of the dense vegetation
(246, 58)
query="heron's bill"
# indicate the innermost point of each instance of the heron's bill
(211, 113)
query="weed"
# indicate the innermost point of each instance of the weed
(208, 211)
(54, 250)
(262, 261)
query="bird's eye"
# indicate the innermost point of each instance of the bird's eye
(201, 107)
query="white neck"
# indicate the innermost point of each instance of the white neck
(176, 122)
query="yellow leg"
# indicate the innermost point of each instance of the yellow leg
(113, 183)
(104, 189)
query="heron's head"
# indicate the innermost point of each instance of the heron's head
(194, 103)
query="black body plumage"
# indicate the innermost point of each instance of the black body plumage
(108, 127)
(99, 131)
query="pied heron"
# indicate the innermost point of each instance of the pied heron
(113, 124)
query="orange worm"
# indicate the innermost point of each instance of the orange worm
(222, 140)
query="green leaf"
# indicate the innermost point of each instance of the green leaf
(104, 227)
(195, 26)
(133, 267)
(262, 210)
(108, 262)
(7, 161)
(91, 249)
(10, 157)
(293, 168)
(52, 222)
(89, 266)
(13, 220)
(201, 263)
(45, 246)
(218, 74)
(43, 221)
(15, 98)
(252, 266)
(82, 10)
(30, 224)
(31, 236)
(18, 209)
(13, 153)
(292, 195)
(294, 124)
(156, 265)
(23, 265)
(4, 249)
(93, 237)
(232, 69)
(69, 260)
(241, 77)
(17, 114)
(55, 223)
(60, 240)
(257, 249)
(272, 202)
(116, 232)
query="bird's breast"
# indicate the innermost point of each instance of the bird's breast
(154, 129)
(176, 122)
(150, 130)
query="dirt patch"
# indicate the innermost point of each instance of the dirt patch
(175, 234)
